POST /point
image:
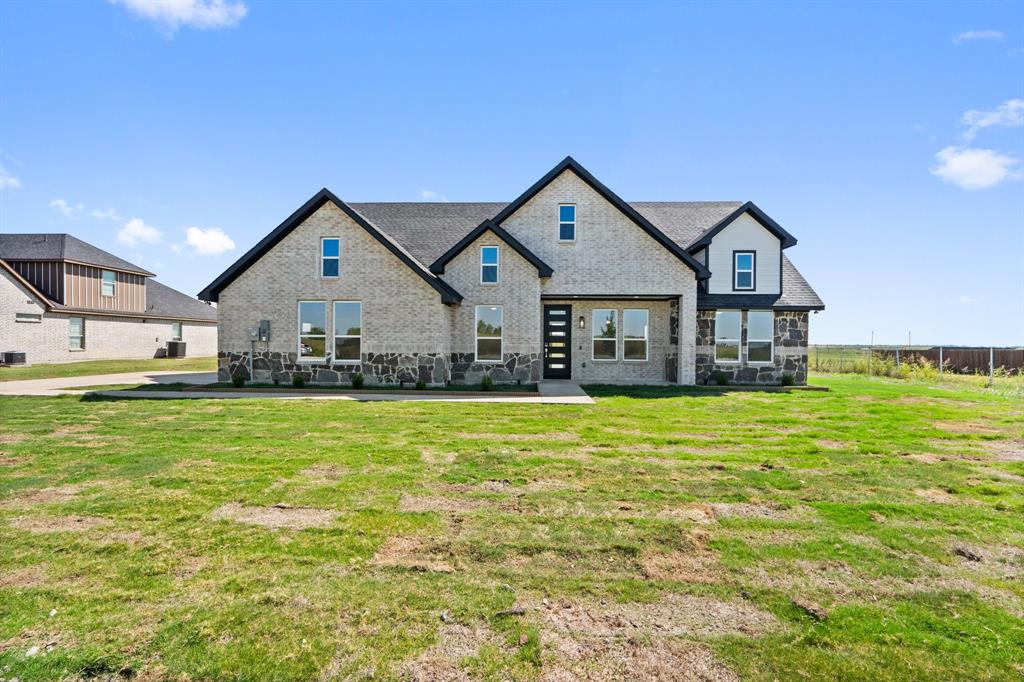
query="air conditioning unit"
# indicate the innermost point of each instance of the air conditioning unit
(175, 349)
(12, 357)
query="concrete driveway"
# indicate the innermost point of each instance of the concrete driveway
(61, 385)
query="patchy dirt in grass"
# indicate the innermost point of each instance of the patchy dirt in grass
(757, 510)
(72, 430)
(926, 400)
(676, 614)
(1006, 450)
(325, 472)
(445, 505)
(12, 461)
(602, 564)
(277, 517)
(939, 496)
(519, 437)
(455, 642)
(965, 427)
(660, 659)
(999, 473)
(11, 438)
(431, 455)
(57, 524)
(695, 564)
(539, 485)
(24, 578)
(127, 537)
(830, 444)
(29, 497)
(415, 553)
(997, 561)
(926, 457)
(697, 513)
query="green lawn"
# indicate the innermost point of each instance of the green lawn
(80, 369)
(873, 532)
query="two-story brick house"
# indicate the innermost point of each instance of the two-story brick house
(566, 282)
(64, 300)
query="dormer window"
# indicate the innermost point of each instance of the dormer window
(330, 257)
(743, 271)
(567, 222)
(489, 257)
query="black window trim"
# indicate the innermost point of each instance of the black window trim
(753, 270)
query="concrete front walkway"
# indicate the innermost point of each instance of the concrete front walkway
(548, 392)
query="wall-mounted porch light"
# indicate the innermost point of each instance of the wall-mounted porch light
(581, 322)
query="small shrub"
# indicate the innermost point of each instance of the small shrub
(486, 383)
(357, 380)
(420, 384)
(237, 380)
(720, 378)
(788, 380)
(298, 381)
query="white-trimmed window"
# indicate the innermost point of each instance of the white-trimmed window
(109, 284)
(490, 259)
(76, 333)
(35, 318)
(567, 222)
(604, 329)
(743, 270)
(330, 257)
(489, 319)
(760, 336)
(175, 331)
(348, 331)
(312, 330)
(727, 336)
(635, 334)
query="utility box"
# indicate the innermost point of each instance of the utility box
(264, 331)
(175, 349)
(12, 357)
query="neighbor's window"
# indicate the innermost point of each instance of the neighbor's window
(743, 270)
(312, 330)
(488, 333)
(567, 222)
(489, 257)
(28, 317)
(348, 331)
(330, 257)
(76, 333)
(605, 330)
(760, 335)
(109, 285)
(727, 336)
(634, 334)
(175, 331)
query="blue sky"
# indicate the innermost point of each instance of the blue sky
(887, 138)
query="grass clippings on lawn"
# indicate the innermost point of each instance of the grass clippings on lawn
(661, 533)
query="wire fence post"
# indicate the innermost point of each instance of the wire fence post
(940, 359)
(991, 364)
(840, 359)
(897, 360)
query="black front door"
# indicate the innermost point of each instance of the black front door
(557, 341)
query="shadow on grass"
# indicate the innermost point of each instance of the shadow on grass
(650, 392)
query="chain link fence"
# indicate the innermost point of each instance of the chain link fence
(901, 360)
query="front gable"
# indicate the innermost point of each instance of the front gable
(744, 234)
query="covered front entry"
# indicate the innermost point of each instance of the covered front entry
(557, 342)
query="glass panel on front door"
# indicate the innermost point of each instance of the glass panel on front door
(557, 342)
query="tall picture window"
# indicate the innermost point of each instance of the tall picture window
(727, 336)
(76, 333)
(488, 333)
(175, 331)
(760, 336)
(634, 334)
(348, 331)
(312, 330)
(605, 331)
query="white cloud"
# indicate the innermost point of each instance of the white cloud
(1009, 114)
(198, 14)
(211, 242)
(966, 300)
(109, 214)
(968, 36)
(8, 180)
(431, 195)
(974, 168)
(65, 209)
(136, 232)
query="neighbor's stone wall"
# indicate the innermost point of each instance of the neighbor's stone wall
(402, 314)
(377, 368)
(790, 354)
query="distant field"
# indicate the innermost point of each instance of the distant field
(873, 532)
(78, 369)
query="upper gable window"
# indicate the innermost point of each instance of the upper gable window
(109, 286)
(743, 271)
(567, 222)
(489, 260)
(330, 257)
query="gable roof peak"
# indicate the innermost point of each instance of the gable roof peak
(543, 269)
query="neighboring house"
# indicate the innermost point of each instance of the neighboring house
(566, 282)
(63, 300)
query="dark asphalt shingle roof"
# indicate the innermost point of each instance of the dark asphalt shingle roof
(59, 246)
(163, 301)
(685, 221)
(796, 293)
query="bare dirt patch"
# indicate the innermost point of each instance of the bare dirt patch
(680, 615)
(697, 513)
(277, 517)
(440, 663)
(830, 444)
(434, 456)
(695, 564)
(660, 659)
(11, 438)
(325, 472)
(43, 495)
(518, 437)
(927, 458)
(71, 430)
(1006, 450)
(12, 461)
(965, 427)
(444, 505)
(25, 578)
(939, 496)
(415, 553)
(57, 524)
(759, 510)
(998, 561)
